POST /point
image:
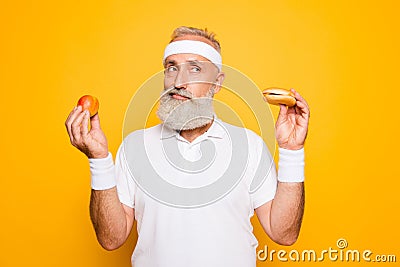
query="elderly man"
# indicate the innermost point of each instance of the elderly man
(194, 228)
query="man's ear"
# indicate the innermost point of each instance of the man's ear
(218, 82)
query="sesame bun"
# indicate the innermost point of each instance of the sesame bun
(278, 96)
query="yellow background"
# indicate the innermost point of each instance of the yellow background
(343, 56)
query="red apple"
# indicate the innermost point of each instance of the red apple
(90, 103)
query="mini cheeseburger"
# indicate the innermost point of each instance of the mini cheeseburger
(278, 96)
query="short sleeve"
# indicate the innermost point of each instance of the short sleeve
(264, 183)
(125, 183)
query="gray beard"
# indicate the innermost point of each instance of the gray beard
(185, 114)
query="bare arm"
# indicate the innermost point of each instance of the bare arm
(111, 219)
(281, 217)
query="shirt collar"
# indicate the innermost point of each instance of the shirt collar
(216, 130)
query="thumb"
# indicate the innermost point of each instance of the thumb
(282, 111)
(95, 121)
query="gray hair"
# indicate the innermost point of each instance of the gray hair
(184, 30)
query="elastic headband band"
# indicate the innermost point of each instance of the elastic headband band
(194, 47)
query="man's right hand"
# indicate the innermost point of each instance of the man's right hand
(92, 143)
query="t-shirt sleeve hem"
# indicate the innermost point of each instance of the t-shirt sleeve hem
(126, 202)
(259, 202)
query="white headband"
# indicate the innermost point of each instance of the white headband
(194, 47)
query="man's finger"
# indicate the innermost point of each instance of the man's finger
(291, 110)
(75, 127)
(282, 111)
(75, 112)
(299, 98)
(95, 121)
(69, 115)
(85, 125)
(303, 109)
(69, 121)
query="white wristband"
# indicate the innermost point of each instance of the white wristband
(102, 173)
(291, 166)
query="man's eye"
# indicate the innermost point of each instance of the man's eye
(195, 69)
(171, 69)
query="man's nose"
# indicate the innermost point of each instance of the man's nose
(181, 79)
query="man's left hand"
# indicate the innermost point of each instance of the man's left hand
(292, 124)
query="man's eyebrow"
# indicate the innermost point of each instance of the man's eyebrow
(190, 62)
(195, 62)
(170, 62)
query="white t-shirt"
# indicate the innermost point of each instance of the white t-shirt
(193, 208)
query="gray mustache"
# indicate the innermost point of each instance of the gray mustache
(180, 92)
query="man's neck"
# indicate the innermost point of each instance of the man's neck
(192, 134)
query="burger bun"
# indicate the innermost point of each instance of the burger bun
(279, 96)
